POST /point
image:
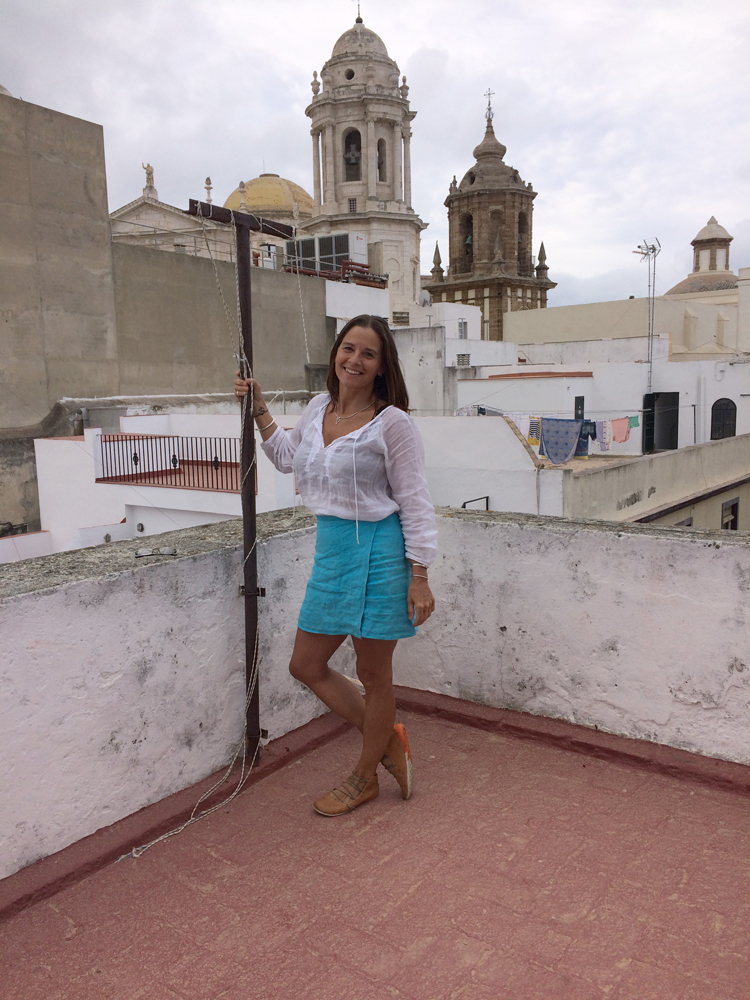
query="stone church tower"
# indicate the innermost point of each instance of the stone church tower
(490, 234)
(361, 160)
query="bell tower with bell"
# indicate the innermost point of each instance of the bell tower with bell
(361, 132)
(490, 239)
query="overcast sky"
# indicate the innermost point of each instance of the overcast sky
(630, 118)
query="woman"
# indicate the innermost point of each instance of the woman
(359, 466)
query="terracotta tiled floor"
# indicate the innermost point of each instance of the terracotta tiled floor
(517, 872)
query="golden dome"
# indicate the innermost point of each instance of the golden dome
(273, 197)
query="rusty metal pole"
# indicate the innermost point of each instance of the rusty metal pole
(245, 224)
(247, 478)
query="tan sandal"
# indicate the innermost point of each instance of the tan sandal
(353, 792)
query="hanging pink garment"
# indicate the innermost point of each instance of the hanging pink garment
(621, 430)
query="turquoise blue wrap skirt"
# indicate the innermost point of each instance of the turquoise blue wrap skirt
(358, 588)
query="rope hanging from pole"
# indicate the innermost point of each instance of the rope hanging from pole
(249, 746)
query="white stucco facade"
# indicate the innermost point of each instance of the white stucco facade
(615, 390)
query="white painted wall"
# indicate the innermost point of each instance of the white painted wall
(69, 499)
(586, 352)
(610, 394)
(184, 424)
(481, 352)
(422, 354)
(641, 633)
(344, 301)
(123, 680)
(617, 390)
(424, 326)
(157, 520)
(15, 547)
(467, 458)
(448, 314)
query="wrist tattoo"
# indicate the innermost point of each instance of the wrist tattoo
(261, 411)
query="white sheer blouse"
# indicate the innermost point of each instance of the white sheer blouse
(364, 476)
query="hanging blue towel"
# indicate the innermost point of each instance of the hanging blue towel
(559, 439)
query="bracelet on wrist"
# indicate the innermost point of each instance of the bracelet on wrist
(270, 423)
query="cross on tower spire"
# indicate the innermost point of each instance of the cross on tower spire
(489, 113)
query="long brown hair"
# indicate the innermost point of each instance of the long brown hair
(390, 386)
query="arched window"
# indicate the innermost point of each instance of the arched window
(723, 419)
(353, 156)
(466, 248)
(382, 175)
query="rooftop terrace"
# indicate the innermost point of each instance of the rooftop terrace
(580, 825)
(521, 869)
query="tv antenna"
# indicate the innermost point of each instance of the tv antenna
(649, 251)
(489, 113)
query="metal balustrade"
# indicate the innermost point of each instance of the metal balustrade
(195, 463)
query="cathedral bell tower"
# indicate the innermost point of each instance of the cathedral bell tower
(490, 237)
(362, 160)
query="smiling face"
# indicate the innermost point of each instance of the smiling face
(359, 359)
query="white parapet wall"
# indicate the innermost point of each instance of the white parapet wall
(123, 679)
(639, 631)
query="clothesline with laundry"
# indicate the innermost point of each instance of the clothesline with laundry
(559, 440)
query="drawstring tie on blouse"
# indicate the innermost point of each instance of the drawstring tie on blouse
(356, 504)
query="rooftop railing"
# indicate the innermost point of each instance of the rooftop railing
(195, 463)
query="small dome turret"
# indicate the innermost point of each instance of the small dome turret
(712, 231)
(489, 146)
(359, 41)
(490, 172)
(360, 63)
(711, 271)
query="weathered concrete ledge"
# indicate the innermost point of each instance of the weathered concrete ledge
(47, 572)
(101, 561)
(619, 528)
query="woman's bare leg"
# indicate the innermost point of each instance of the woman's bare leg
(309, 664)
(375, 714)
(375, 670)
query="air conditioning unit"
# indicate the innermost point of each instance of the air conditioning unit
(327, 252)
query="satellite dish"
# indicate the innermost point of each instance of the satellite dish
(425, 299)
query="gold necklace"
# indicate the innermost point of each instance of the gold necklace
(348, 415)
